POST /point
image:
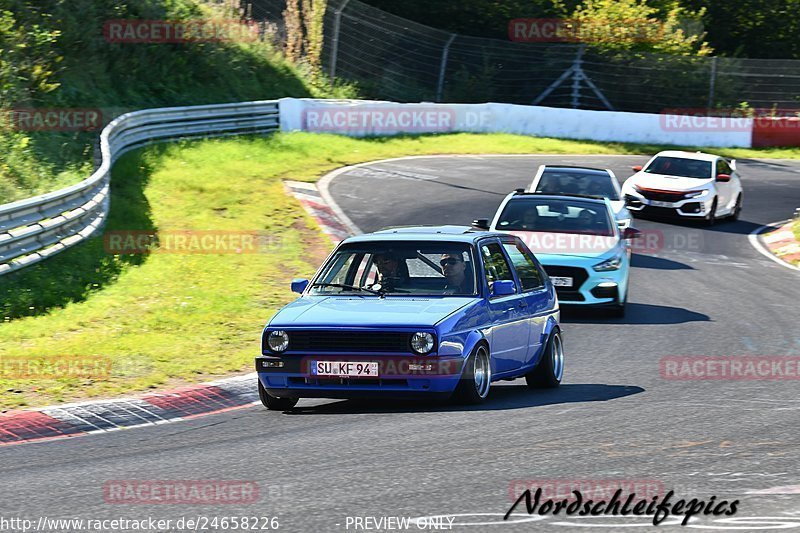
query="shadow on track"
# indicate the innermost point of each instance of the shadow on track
(635, 314)
(722, 225)
(657, 263)
(503, 397)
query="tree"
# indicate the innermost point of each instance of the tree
(633, 25)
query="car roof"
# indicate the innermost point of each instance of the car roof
(699, 156)
(465, 234)
(576, 170)
(580, 197)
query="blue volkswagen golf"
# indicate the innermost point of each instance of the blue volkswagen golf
(418, 311)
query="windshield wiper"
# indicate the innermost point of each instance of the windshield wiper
(379, 292)
(348, 287)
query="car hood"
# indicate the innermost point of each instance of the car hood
(367, 311)
(668, 183)
(544, 244)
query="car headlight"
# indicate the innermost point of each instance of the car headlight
(694, 194)
(612, 263)
(278, 341)
(422, 342)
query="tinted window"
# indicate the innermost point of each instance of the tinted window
(723, 167)
(526, 269)
(495, 264)
(678, 166)
(562, 215)
(594, 184)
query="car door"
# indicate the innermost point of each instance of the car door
(533, 290)
(510, 329)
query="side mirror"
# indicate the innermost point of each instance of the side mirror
(481, 223)
(299, 285)
(503, 287)
(637, 168)
(631, 233)
(723, 177)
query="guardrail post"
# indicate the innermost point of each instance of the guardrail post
(337, 25)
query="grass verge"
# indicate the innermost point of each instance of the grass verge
(168, 318)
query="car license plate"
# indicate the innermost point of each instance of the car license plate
(660, 204)
(561, 281)
(344, 368)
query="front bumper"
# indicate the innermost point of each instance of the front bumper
(590, 288)
(398, 376)
(690, 207)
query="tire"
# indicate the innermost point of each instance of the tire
(737, 208)
(273, 403)
(550, 370)
(476, 379)
(711, 217)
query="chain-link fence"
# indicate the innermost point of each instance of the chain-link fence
(398, 59)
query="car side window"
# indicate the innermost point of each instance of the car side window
(528, 274)
(723, 167)
(494, 264)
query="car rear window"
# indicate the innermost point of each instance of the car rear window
(584, 183)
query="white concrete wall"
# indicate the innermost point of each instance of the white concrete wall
(360, 118)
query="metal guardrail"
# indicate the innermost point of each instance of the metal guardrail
(36, 228)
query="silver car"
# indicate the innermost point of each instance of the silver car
(582, 181)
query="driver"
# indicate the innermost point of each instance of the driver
(453, 268)
(390, 274)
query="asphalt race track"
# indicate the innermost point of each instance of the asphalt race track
(698, 291)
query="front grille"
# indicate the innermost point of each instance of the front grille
(578, 275)
(661, 196)
(569, 296)
(659, 211)
(349, 341)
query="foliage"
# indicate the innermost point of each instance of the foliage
(304, 32)
(633, 25)
(744, 28)
(53, 54)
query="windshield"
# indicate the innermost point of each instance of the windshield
(556, 216)
(575, 182)
(401, 268)
(678, 166)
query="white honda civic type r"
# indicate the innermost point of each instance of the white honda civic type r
(685, 184)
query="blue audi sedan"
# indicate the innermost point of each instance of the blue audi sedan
(415, 312)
